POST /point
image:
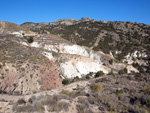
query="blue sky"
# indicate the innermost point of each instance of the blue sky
(20, 11)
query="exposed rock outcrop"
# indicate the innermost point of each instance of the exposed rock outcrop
(24, 70)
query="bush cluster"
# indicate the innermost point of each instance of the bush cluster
(119, 91)
(99, 73)
(123, 71)
(65, 81)
(111, 61)
(30, 39)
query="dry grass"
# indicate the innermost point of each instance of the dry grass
(147, 90)
(67, 92)
(98, 87)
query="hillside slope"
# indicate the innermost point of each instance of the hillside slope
(126, 41)
(29, 66)
(11, 28)
(107, 94)
(24, 70)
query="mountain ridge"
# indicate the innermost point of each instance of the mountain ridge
(36, 62)
(106, 36)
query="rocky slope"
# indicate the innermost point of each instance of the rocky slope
(29, 67)
(107, 94)
(24, 70)
(11, 28)
(33, 65)
(126, 41)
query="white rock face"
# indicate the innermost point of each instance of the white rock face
(95, 56)
(130, 69)
(136, 54)
(129, 58)
(54, 48)
(80, 68)
(69, 70)
(67, 49)
(88, 60)
(86, 67)
(48, 55)
(75, 49)
(35, 44)
(19, 34)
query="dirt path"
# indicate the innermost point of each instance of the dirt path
(51, 92)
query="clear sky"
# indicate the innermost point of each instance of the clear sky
(20, 11)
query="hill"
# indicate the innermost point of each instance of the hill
(126, 41)
(11, 28)
(35, 66)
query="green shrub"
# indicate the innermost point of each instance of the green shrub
(148, 70)
(135, 65)
(141, 70)
(98, 87)
(30, 39)
(99, 73)
(87, 77)
(21, 101)
(65, 81)
(90, 74)
(111, 61)
(148, 101)
(76, 78)
(123, 71)
(111, 73)
(119, 91)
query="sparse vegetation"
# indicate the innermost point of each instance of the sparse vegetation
(98, 87)
(21, 101)
(146, 90)
(123, 71)
(114, 93)
(148, 101)
(101, 94)
(58, 106)
(67, 92)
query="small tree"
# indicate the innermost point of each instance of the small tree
(111, 72)
(135, 65)
(123, 71)
(111, 61)
(65, 81)
(99, 73)
(141, 70)
(30, 39)
(87, 77)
